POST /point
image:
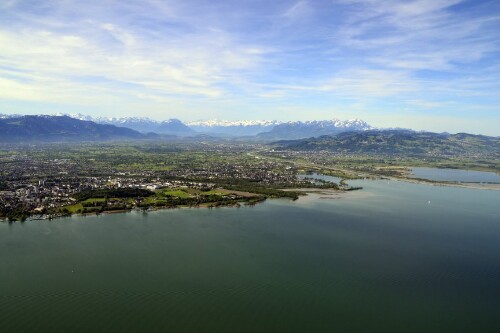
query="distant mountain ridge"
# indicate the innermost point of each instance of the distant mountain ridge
(233, 128)
(314, 128)
(61, 128)
(350, 136)
(140, 124)
(174, 127)
(263, 129)
(143, 124)
(400, 142)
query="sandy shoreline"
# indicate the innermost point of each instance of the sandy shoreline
(320, 193)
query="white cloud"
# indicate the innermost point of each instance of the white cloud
(420, 34)
(370, 83)
(298, 10)
(117, 59)
(360, 83)
(428, 104)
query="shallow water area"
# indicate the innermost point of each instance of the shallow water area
(456, 175)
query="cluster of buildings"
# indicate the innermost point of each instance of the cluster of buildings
(39, 181)
(42, 195)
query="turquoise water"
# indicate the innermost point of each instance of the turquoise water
(394, 257)
(455, 175)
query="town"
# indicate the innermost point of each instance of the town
(49, 181)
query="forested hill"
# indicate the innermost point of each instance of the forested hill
(400, 142)
(61, 128)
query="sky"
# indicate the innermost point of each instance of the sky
(421, 64)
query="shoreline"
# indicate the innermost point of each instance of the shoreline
(313, 190)
(321, 193)
(405, 176)
(238, 204)
(471, 185)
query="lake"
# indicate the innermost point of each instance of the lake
(456, 175)
(315, 176)
(393, 257)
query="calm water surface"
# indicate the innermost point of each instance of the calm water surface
(394, 257)
(322, 177)
(455, 175)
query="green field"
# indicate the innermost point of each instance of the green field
(178, 193)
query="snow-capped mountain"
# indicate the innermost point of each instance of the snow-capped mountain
(147, 125)
(8, 116)
(175, 127)
(314, 128)
(233, 128)
(141, 124)
(263, 129)
(78, 116)
(228, 123)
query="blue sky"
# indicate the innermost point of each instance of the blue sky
(425, 64)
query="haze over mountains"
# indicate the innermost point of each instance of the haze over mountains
(350, 136)
(233, 128)
(264, 129)
(298, 129)
(260, 129)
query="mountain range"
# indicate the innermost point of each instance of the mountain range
(233, 128)
(399, 142)
(267, 130)
(263, 129)
(214, 127)
(350, 136)
(62, 128)
(147, 125)
(298, 129)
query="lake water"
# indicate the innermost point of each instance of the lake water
(394, 257)
(455, 175)
(321, 177)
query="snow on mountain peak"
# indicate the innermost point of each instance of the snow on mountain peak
(227, 127)
(337, 123)
(228, 123)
